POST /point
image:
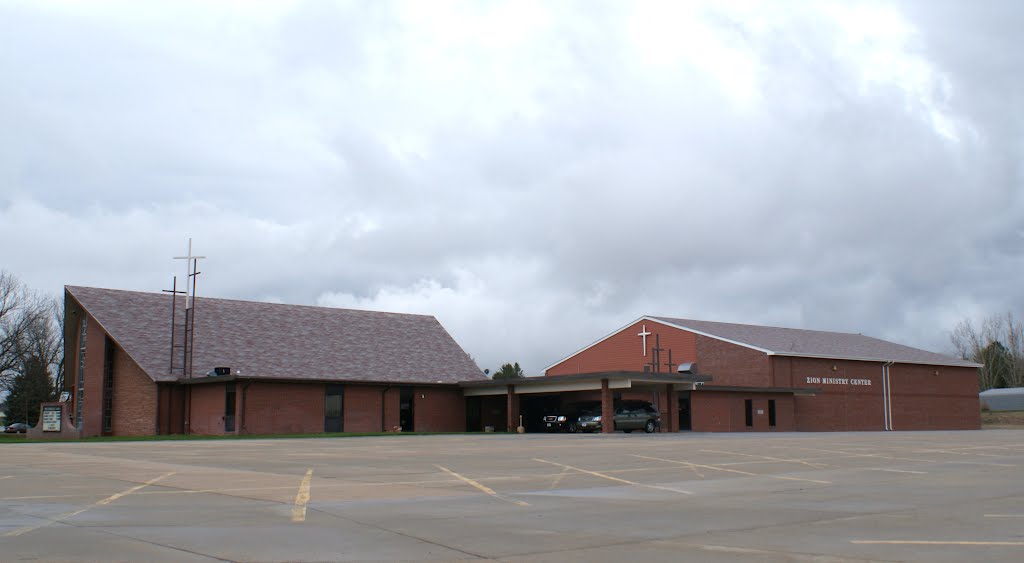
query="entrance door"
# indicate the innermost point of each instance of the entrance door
(407, 400)
(334, 400)
(474, 414)
(229, 407)
(684, 411)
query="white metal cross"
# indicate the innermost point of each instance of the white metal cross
(644, 334)
(189, 266)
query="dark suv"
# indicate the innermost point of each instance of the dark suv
(629, 416)
(566, 419)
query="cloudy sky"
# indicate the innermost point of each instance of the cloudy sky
(534, 174)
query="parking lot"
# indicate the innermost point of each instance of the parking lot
(925, 496)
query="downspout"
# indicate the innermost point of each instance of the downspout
(886, 397)
(888, 392)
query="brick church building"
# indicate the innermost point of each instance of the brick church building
(255, 368)
(259, 368)
(762, 378)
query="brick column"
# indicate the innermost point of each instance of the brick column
(607, 408)
(512, 409)
(671, 424)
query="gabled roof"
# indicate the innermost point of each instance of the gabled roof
(269, 340)
(779, 341)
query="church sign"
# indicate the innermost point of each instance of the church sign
(837, 381)
(51, 418)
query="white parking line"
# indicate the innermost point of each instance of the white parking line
(483, 488)
(102, 502)
(687, 463)
(610, 478)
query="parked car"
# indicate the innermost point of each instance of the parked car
(637, 415)
(629, 416)
(566, 419)
(16, 428)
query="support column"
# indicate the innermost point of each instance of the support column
(607, 408)
(512, 409)
(672, 411)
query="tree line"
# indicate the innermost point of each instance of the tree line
(998, 343)
(31, 349)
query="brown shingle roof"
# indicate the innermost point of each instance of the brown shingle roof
(282, 341)
(814, 343)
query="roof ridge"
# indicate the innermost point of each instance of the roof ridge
(251, 302)
(766, 326)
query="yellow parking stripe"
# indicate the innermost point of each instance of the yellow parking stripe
(302, 498)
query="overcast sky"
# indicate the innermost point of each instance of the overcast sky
(534, 174)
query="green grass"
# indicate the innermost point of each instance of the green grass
(22, 439)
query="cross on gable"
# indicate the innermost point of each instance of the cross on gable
(644, 334)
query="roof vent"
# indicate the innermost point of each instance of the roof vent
(219, 371)
(688, 367)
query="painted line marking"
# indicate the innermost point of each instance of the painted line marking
(558, 478)
(895, 470)
(108, 500)
(911, 459)
(610, 478)
(813, 465)
(954, 453)
(687, 463)
(936, 542)
(6, 476)
(302, 498)
(480, 487)
(1004, 516)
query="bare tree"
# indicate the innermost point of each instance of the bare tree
(18, 312)
(999, 344)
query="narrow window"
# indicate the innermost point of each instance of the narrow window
(771, 413)
(334, 404)
(80, 383)
(229, 407)
(406, 417)
(749, 404)
(108, 385)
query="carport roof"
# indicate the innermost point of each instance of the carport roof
(636, 376)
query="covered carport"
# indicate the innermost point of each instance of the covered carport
(523, 397)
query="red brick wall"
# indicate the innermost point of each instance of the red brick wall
(934, 398)
(92, 402)
(731, 364)
(171, 408)
(279, 408)
(362, 407)
(623, 351)
(839, 407)
(135, 398)
(921, 400)
(207, 410)
(392, 408)
(722, 411)
(439, 409)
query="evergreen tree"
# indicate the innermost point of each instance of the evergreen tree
(28, 388)
(509, 371)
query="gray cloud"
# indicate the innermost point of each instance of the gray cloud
(533, 174)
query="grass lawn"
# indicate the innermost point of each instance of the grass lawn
(22, 439)
(1002, 419)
